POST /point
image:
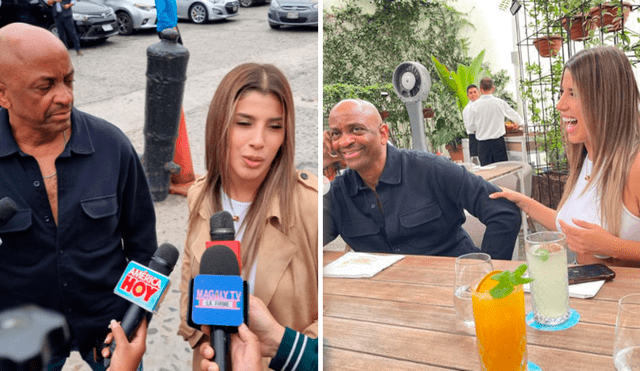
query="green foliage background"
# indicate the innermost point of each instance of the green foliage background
(365, 40)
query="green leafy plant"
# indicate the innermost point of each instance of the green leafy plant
(457, 81)
(507, 281)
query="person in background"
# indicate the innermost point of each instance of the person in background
(473, 95)
(487, 115)
(167, 13)
(393, 200)
(250, 150)
(600, 208)
(63, 16)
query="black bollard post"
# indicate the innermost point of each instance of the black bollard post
(166, 75)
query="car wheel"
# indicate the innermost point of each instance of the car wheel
(198, 13)
(125, 24)
(274, 25)
(54, 30)
(246, 3)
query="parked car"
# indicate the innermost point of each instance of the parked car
(247, 3)
(201, 11)
(94, 22)
(293, 13)
(133, 15)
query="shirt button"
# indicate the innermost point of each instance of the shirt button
(46, 219)
(304, 176)
(68, 310)
(373, 206)
(36, 184)
(60, 252)
(397, 250)
(64, 284)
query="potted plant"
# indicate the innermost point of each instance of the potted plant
(447, 128)
(611, 16)
(449, 131)
(545, 18)
(548, 46)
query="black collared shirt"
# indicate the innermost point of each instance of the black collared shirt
(106, 217)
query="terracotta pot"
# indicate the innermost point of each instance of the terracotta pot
(548, 46)
(455, 153)
(578, 27)
(606, 15)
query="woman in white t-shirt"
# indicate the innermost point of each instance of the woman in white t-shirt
(600, 207)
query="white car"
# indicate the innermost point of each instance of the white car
(132, 14)
(201, 11)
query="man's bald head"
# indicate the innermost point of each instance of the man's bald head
(23, 43)
(36, 81)
(356, 106)
(359, 137)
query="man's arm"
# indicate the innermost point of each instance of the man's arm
(471, 192)
(329, 231)
(468, 119)
(138, 218)
(512, 114)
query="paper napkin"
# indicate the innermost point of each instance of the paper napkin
(359, 265)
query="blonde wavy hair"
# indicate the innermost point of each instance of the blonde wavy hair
(279, 181)
(608, 92)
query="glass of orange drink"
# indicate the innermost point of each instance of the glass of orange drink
(500, 327)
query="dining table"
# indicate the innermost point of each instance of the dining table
(403, 318)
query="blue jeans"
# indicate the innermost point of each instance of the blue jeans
(56, 363)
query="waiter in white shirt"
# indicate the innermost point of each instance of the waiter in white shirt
(487, 115)
(473, 94)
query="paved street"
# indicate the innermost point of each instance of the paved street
(110, 83)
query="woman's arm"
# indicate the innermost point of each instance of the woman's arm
(537, 211)
(590, 239)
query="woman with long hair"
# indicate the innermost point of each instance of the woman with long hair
(250, 149)
(600, 207)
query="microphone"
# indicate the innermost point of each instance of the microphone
(222, 232)
(219, 298)
(8, 210)
(144, 287)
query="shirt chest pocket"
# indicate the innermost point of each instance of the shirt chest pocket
(100, 216)
(424, 224)
(100, 207)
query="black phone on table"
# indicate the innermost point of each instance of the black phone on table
(589, 273)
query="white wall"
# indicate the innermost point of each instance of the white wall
(494, 32)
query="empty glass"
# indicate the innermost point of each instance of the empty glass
(626, 345)
(469, 268)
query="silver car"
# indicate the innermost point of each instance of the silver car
(133, 14)
(293, 13)
(201, 11)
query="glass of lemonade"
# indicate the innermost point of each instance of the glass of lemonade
(547, 260)
(500, 327)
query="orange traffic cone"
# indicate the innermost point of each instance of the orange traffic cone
(181, 182)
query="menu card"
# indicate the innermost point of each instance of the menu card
(359, 265)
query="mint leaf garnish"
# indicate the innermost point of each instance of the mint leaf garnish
(542, 254)
(507, 281)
